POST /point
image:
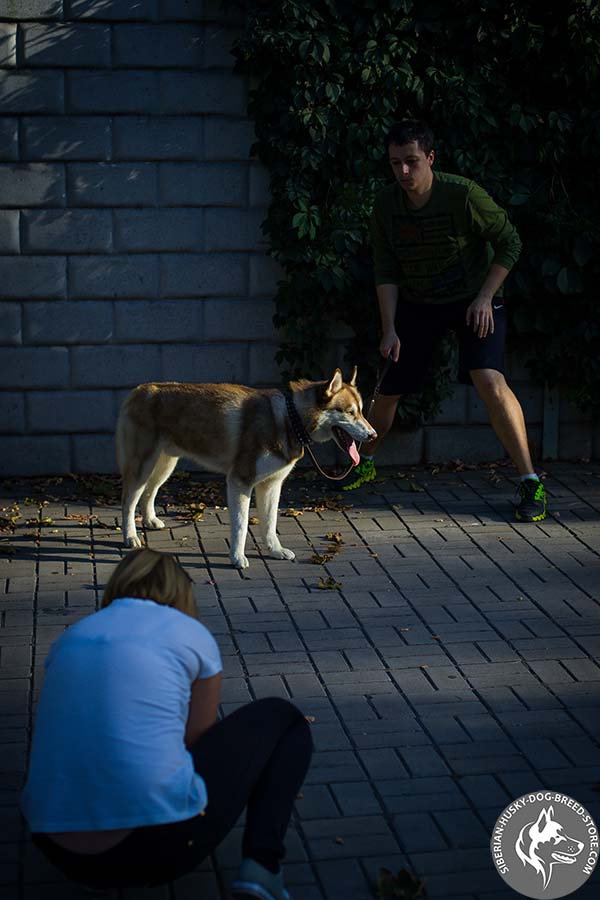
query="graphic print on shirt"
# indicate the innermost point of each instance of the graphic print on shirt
(429, 255)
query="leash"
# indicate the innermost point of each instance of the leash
(305, 439)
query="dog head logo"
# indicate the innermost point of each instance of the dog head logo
(544, 844)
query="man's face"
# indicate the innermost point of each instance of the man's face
(411, 167)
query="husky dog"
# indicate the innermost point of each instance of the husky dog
(543, 845)
(253, 436)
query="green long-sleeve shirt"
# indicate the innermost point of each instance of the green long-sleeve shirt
(442, 252)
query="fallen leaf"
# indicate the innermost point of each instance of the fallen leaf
(253, 520)
(310, 718)
(402, 886)
(319, 559)
(339, 840)
(328, 584)
(335, 536)
(292, 513)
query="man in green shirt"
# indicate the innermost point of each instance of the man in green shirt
(442, 249)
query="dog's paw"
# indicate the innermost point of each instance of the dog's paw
(154, 522)
(133, 542)
(240, 562)
(283, 553)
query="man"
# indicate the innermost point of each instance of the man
(442, 250)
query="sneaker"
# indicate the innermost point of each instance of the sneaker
(361, 474)
(532, 501)
(256, 882)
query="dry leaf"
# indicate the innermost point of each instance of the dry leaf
(335, 536)
(402, 886)
(253, 520)
(292, 513)
(329, 584)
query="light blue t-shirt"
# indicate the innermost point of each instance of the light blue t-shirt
(108, 745)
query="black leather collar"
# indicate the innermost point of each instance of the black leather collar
(296, 422)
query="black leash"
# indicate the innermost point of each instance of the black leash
(305, 439)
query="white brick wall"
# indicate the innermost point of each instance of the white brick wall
(130, 246)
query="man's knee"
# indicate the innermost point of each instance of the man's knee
(490, 384)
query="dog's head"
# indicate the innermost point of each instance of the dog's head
(335, 413)
(544, 844)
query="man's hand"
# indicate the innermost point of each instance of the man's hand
(390, 345)
(480, 312)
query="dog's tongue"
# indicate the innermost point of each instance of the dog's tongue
(354, 455)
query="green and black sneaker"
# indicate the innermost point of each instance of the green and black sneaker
(532, 501)
(361, 474)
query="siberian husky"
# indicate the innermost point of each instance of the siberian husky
(253, 436)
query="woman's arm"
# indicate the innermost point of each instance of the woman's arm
(204, 703)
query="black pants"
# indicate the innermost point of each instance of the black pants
(256, 758)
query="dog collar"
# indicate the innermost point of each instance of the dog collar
(297, 425)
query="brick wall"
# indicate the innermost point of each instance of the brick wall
(130, 246)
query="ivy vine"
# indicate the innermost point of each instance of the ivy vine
(509, 87)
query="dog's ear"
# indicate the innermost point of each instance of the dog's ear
(352, 381)
(335, 384)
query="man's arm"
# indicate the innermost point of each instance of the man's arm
(387, 297)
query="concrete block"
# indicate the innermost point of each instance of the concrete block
(158, 46)
(113, 276)
(107, 184)
(31, 367)
(182, 9)
(454, 409)
(572, 414)
(31, 9)
(8, 44)
(66, 137)
(26, 277)
(35, 184)
(263, 368)
(212, 363)
(575, 441)
(34, 456)
(259, 194)
(473, 444)
(12, 413)
(155, 230)
(113, 92)
(226, 139)
(203, 275)
(238, 320)
(115, 366)
(70, 411)
(66, 231)
(111, 10)
(94, 454)
(217, 46)
(402, 447)
(206, 184)
(73, 45)
(10, 324)
(234, 229)
(529, 396)
(31, 92)
(165, 137)
(9, 138)
(9, 231)
(265, 272)
(157, 321)
(203, 92)
(68, 322)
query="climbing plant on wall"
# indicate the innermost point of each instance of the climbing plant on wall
(510, 89)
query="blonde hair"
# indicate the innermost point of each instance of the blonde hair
(151, 575)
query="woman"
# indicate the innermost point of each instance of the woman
(131, 779)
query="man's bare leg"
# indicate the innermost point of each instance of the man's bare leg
(506, 416)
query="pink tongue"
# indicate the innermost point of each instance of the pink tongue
(354, 455)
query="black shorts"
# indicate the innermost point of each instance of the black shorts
(420, 327)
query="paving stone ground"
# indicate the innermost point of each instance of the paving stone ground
(450, 666)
